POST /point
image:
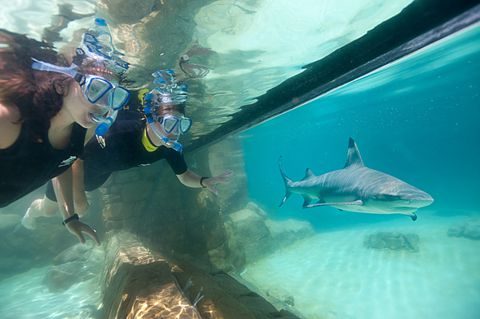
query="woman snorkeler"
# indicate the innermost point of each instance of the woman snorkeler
(46, 108)
(135, 140)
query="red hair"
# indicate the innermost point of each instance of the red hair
(37, 94)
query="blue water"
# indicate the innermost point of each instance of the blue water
(417, 119)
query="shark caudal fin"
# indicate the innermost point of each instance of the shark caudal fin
(286, 180)
(353, 155)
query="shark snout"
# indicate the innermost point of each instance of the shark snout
(416, 198)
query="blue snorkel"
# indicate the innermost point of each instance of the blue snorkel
(97, 44)
(102, 129)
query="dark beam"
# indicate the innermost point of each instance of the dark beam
(419, 24)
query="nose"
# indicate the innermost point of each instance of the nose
(422, 199)
(416, 197)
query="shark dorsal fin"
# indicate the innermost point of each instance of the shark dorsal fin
(308, 173)
(353, 155)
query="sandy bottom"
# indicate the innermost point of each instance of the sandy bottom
(332, 275)
(24, 296)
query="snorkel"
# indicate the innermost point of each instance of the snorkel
(167, 91)
(97, 45)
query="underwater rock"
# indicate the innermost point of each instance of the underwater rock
(75, 264)
(252, 235)
(470, 230)
(8, 221)
(285, 232)
(77, 252)
(60, 278)
(392, 241)
(247, 232)
(138, 283)
(26, 249)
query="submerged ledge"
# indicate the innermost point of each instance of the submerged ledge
(140, 283)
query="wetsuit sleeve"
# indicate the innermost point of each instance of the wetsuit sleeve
(176, 161)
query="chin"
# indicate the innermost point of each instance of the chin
(86, 122)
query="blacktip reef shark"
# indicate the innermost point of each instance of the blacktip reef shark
(357, 188)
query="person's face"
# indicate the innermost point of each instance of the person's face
(79, 108)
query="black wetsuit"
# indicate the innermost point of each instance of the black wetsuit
(124, 150)
(31, 162)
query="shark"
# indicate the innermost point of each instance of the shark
(357, 188)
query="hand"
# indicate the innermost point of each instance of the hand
(76, 227)
(219, 179)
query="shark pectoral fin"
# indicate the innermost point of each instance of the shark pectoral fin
(316, 204)
(355, 202)
(306, 201)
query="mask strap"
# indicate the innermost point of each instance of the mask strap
(48, 67)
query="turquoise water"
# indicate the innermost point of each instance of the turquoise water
(417, 120)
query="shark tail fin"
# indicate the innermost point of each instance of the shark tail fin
(286, 180)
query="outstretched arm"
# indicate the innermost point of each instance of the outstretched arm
(191, 179)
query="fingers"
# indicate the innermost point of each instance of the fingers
(91, 233)
(80, 237)
(222, 178)
(78, 228)
(227, 173)
(213, 189)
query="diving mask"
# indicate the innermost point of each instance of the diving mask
(175, 124)
(97, 90)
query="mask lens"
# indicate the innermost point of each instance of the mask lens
(96, 89)
(185, 124)
(169, 124)
(120, 98)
